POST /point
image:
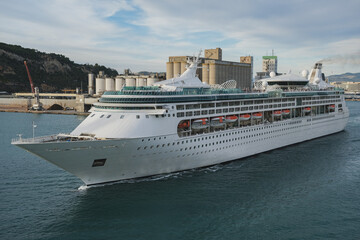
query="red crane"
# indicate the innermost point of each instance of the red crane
(28, 73)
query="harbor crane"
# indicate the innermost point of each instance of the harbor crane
(31, 83)
(34, 90)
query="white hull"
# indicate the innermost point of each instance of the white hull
(140, 157)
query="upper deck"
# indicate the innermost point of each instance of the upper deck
(155, 95)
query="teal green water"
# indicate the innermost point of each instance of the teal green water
(305, 191)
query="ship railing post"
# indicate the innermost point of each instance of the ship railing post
(33, 126)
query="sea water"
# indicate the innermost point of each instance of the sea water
(309, 190)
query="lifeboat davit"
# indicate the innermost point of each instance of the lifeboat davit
(200, 123)
(244, 117)
(257, 115)
(332, 107)
(231, 119)
(277, 113)
(285, 112)
(307, 109)
(217, 121)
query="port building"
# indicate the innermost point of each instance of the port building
(214, 70)
(269, 64)
(349, 87)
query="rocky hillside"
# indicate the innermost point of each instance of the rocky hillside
(346, 77)
(49, 71)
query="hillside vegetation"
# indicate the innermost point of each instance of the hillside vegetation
(49, 71)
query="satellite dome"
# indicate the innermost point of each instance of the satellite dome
(264, 83)
(272, 74)
(304, 73)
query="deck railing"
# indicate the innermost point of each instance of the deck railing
(48, 138)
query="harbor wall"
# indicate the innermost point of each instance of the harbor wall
(80, 104)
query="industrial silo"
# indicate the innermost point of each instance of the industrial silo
(205, 73)
(100, 86)
(140, 82)
(109, 84)
(182, 67)
(130, 82)
(91, 84)
(119, 83)
(169, 70)
(151, 81)
(177, 69)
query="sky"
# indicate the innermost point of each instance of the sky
(142, 34)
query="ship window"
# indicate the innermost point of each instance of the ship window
(99, 162)
(147, 116)
(205, 105)
(102, 116)
(137, 116)
(122, 116)
(180, 107)
(108, 116)
(93, 115)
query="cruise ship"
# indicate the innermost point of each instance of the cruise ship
(183, 123)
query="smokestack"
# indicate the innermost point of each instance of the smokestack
(316, 75)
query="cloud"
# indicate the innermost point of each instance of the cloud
(141, 34)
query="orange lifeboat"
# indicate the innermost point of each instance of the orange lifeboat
(244, 117)
(200, 123)
(184, 124)
(217, 121)
(285, 112)
(231, 119)
(307, 109)
(277, 113)
(257, 115)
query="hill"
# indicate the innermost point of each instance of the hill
(49, 71)
(346, 77)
